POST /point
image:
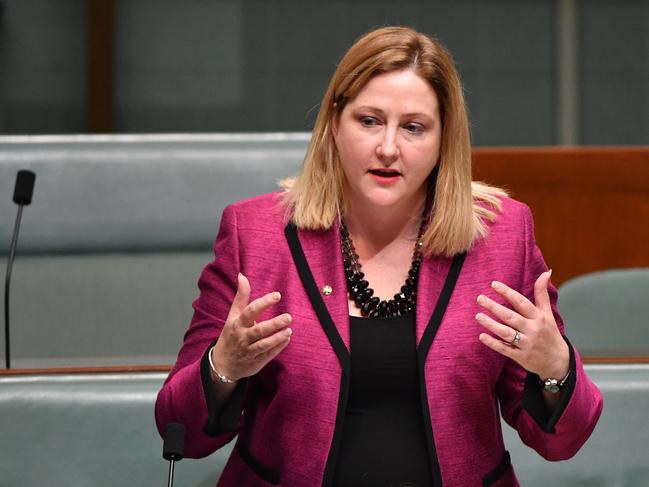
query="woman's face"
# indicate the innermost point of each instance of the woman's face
(388, 138)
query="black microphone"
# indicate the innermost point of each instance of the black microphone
(24, 187)
(22, 196)
(173, 447)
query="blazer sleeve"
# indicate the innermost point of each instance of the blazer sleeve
(185, 396)
(558, 436)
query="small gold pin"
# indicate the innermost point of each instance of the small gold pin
(327, 290)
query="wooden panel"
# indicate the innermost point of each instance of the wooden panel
(590, 205)
(100, 29)
(128, 369)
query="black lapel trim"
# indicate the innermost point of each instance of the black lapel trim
(334, 338)
(312, 291)
(497, 473)
(422, 353)
(334, 452)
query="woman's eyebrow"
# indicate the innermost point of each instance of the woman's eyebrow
(371, 108)
(382, 112)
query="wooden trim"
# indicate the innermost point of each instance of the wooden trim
(129, 369)
(621, 150)
(100, 31)
(123, 369)
(615, 360)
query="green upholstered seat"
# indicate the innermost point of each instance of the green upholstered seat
(89, 431)
(111, 247)
(607, 313)
(98, 430)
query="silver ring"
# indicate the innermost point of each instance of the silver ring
(516, 340)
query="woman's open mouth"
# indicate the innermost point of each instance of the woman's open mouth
(385, 176)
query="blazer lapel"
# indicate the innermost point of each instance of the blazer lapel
(437, 279)
(318, 257)
(432, 275)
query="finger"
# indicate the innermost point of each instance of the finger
(541, 296)
(520, 303)
(505, 333)
(499, 346)
(241, 298)
(265, 344)
(503, 313)
(269, 355)
(256, 307)
(268, 327)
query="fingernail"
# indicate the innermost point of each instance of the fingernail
(479, 316)
(481, 299)
(288, 332)
(287, 318)
(550, 272)
(276, 296)
(495, 284)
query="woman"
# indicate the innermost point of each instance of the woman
(364, 326)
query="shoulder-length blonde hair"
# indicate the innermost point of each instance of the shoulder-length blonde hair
(315, 198)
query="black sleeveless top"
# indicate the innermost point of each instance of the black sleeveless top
(383, 438)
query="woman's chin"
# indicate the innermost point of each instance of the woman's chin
(383, 200)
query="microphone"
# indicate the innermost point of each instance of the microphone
(23, 192)
(173, 447)
(24, 187)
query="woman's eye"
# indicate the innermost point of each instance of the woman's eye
(414, 128)
(368, 121)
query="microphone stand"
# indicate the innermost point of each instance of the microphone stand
(170, 481)
(23, 193)
(10, 262)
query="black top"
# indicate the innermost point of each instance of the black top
(383, 438)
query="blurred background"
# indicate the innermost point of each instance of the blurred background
(536, 72)
(144, 118)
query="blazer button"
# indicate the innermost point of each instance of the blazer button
(327, 290)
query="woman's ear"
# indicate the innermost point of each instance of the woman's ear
(334, 121)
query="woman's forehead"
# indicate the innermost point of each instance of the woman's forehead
(404, 88)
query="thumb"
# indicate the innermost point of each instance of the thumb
(541, 296)
(241, 298)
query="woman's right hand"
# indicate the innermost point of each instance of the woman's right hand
(245, 346)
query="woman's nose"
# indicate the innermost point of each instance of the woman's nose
(388, 148)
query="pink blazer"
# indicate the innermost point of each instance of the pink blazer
(288, 417)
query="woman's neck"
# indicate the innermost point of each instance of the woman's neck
(372, 229)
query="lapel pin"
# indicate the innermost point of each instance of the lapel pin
(327, 290)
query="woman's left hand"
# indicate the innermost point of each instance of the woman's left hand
(540, 348)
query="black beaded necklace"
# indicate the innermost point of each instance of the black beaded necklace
(371, 306)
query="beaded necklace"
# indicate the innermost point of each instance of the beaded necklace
(358, 288)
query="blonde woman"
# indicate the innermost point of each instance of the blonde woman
(365, 325)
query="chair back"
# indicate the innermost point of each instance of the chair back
(607, 313)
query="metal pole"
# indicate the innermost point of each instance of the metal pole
(170, 482)
(10, 262)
